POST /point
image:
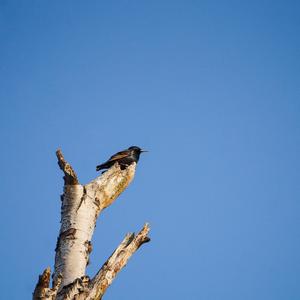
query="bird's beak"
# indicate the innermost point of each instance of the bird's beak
(144, 151)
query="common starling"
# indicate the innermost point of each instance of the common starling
(124, 158)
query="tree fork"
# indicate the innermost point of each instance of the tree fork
(81, 206)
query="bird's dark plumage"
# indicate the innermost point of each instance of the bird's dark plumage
(123, 158)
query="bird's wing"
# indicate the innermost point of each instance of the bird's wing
(119, 155)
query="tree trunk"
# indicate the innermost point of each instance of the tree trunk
(81, 206)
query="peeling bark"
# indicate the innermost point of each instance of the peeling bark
(81, 206)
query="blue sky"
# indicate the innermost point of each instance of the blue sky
(211, 88)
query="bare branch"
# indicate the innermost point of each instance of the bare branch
(42, 285)
(116, 262)
(107, 187)
(70, 177)
(42, 290)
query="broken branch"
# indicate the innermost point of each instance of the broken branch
(70, 177)
(117, 262)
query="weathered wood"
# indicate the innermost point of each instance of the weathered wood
(70, 175)
(42, 290)
(116, 262)
(81, 206)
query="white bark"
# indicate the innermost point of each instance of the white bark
(81, 206)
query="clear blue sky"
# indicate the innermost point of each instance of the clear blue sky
(211, 88)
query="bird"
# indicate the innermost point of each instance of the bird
(124, 158)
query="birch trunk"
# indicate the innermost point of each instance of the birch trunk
(81, 206)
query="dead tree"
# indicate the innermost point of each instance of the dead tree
(81, 206)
